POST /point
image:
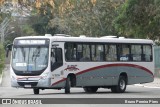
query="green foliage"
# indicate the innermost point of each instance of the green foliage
(129, 18)
(76, 17)
(139, 19)
(84, 17)
(41, 26)
(2, 58)
(42, 19)
(28, 30)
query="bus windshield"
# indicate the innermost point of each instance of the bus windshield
(26, 58)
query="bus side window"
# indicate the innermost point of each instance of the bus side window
(86, 53)
(124, 52)
(111, 52)
(56, 58)
(70, 51)
(79, 52)
(147, 50)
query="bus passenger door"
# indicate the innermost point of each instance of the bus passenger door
(56, 58)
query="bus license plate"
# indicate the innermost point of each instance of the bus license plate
(27, 86)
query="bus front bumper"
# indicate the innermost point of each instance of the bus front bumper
(30, 83)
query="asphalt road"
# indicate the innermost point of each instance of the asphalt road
(132, 92)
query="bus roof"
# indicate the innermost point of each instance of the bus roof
(89, 39)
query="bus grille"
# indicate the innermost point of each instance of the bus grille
(33, 84)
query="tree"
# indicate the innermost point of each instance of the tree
(74, 17)
(88, 17)
(28, 30)
(44, 13)
(139, 19)
(2, 58)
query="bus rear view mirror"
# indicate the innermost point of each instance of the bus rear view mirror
(8, 48)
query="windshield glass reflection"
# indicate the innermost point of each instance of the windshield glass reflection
(30, 58)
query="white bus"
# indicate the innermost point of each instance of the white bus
(59, 62)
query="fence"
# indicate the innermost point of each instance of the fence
(157, 61)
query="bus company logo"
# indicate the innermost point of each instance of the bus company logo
(71, 68)
(6, 101)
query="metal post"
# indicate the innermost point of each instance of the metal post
(3, 27)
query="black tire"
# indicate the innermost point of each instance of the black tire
(113, 89)
(67, 86)
(121, 87)
(90, 89)
(36, 91)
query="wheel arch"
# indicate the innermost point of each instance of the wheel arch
(72, 77)
(124, 74)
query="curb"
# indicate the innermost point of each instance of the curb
(140, 85)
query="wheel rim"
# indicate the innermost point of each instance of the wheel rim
(122, 84)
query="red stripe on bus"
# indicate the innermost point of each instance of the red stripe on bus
(114, 65)
(59, 81)
(108, 65)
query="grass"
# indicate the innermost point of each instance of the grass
(2, 58)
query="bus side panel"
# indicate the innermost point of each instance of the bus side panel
(57, 79)
(109, 75)
(134, 75)
(59, 85)
(99, 77)
(142, 74)
(104, 74)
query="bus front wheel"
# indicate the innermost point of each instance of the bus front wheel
(36, 91)
(68, 85)
(121, 87)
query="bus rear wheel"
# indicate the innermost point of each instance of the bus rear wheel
(36, 91)
(121, 87)
(90, 89)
